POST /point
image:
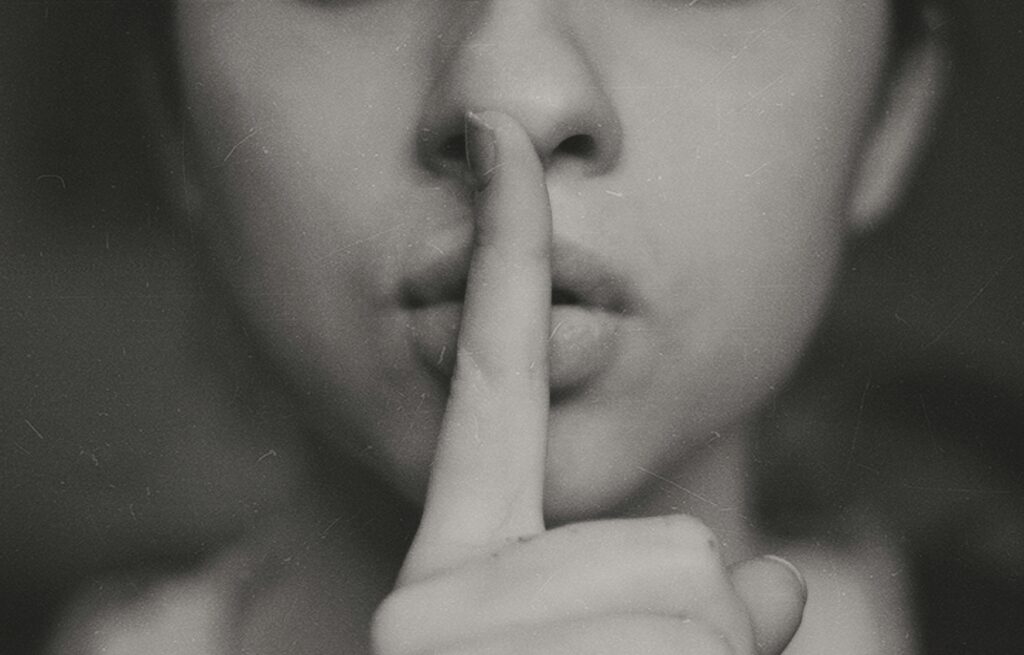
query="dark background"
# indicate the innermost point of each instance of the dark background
(110, 446)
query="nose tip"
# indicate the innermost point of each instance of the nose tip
(536, 73)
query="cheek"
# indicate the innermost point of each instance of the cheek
(748, 266)
(743, 166)
(304, 227)
(299, 121)
(291, 146)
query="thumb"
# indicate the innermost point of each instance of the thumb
(774, 593)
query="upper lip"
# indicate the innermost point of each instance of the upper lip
(578, 277)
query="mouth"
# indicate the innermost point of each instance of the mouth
(590, 302)
(577, 278)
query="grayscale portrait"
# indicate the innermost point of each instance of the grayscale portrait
(480, 327)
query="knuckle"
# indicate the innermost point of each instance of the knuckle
(693, 537)
(701, 638)
(664, 634)
(713, 643)
(690, 530)
(690, 554)
(419, 617)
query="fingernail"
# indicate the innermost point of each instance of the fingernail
(481, 149)
(792, 569)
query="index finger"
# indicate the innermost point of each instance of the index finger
(487, 481)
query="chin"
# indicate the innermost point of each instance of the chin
(569, 499)
(597, 468)
(588, 490)
(589, 473)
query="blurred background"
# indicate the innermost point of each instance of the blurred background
(119, 443)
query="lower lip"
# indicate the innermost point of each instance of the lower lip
(583, 343)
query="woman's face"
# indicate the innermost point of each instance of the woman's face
(699, 156)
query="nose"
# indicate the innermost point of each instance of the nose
(520, 57)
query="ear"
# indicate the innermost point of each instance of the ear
(900, 126)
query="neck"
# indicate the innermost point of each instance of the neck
(333, 556)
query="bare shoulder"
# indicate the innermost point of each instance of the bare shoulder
(859, 600)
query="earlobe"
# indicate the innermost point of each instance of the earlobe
(899, 130)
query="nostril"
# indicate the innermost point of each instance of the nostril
(564, 297)
(444, 151)
(580, 146)
(453, 149)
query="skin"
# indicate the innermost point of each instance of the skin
(656, 584)
(318, 130)
(722, 145)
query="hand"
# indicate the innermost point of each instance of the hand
(483, 576)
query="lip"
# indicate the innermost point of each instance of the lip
(590, 303)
